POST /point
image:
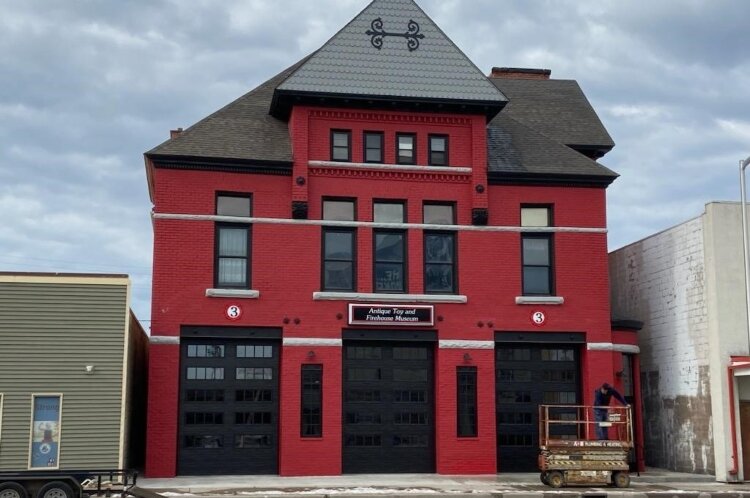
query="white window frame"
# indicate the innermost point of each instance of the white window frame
(2, 398)
(59, 429)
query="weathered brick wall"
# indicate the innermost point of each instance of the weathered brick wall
(660, 281)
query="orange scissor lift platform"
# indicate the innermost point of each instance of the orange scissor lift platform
(571, 453)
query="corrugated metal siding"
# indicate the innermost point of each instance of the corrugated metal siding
(48, 334)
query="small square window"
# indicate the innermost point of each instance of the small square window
(232, 205)
(439, 214)
(535, 217)
(388, 212)
(341, 149)
(438, 150)
(406, 148)
(335, 210)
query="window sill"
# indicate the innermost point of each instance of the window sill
(235, 293)
(389, 298)
(540, 300)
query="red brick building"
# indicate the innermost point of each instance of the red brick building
(379, 260)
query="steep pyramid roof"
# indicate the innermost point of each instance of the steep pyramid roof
(393, 50)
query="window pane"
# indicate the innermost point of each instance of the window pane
(438, 278)
(437, 144)
(232, 271)
(536, 280)
(338, 210)
(373, 140)
(374, 147)
(466, 406)
(535, 217)
(438, 248)
(339, 246)
(389, 277)
(388, 212)
(389, 247)
(233, 242)
(339, 275)
(405, 149)
(438, 214)
(374, 156)
(535, 251)
(341, 139)
(233, 206)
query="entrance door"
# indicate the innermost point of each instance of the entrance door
(745, 435)
(529, 375)
(388, 419)
(229, 396)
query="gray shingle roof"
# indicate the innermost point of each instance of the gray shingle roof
(517, 149)
(349, 63)
(556, 108)
(242, 129)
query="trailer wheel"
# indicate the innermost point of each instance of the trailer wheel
(621, 479)
(542, 476)
(555, 479)
(55, 489)
(12, 490)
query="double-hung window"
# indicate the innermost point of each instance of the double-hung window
(312, 401)
(373, 147)
(536, 251)
(439, 250)
(339, 261)
(389, 250)
(233, 243)
(341, 145)
(438, 152)
(406, 148)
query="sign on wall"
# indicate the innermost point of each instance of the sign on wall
(45, 431)
(391, 315)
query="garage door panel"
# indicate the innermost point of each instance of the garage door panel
(228, 407)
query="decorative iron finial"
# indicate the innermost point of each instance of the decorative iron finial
(377, 34)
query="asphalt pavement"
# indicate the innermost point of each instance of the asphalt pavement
(654, 483)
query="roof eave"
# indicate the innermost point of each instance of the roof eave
(549, 179)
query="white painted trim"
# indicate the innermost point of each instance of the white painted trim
(540, 300)
(1, 416)
(460, 170)
(389, 298)
(459, 344)
(235, 293)
(310, 341)
(608, 346)
(64, 279)
(369, 224)
(59, 429)
(124, 387)
(163, 339)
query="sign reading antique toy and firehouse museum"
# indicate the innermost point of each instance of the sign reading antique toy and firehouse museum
(391, 315)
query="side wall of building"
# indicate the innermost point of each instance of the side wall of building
(660, 281)
(49, 333)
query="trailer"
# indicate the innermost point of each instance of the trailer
(67, 483)
(571, 453)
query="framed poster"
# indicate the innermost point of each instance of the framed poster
(44, 451)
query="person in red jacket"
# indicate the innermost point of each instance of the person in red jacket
(602, 397)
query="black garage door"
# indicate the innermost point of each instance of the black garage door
(529, 375)
(229, 399)
(388, 419)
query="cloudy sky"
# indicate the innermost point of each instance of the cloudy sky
(87, 86)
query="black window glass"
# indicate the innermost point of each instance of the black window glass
(204, 441)
(252, 418)
(537, 265)
(204, 395)
(338, 260)
(364, 353)
(407, 353)
(364, 418)
(410, 375)
(363, 396)
(467, 401)
(389, 262)
(514, 354)
(373, 147)
(363, 374)
(312, 401)
(233, 254)
(513, 375)
(205, 351)
(253, 395)
(341, 146)
(439, 262)
(252, 440)
(438, 150)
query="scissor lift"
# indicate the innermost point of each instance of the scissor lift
(570, 453)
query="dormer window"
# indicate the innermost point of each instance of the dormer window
(406, 148)
(341, 145)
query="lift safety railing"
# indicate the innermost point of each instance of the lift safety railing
(567, 425)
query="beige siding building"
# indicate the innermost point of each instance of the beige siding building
(72, 360)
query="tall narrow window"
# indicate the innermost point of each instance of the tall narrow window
(439, 251)
(373, 148)
(1, 417)
(233, 242)
(312, 401)
(406, 148)
(390, 260)
(438, 150)
(339, 263)
(341, 145)
(466, 386)
(536, 251)
(44, 448)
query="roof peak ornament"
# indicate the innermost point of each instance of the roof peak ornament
(377, 34)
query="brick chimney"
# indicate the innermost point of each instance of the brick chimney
(520, 73)
(174, 133)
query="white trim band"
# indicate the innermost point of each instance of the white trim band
(369, 224)
(390, 167)
(310, 341)
(458, 344)
(389, 298)
(608, 346)
(540, 300)
(236, 293)
(164, 339)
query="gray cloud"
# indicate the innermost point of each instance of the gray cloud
(88, 86)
